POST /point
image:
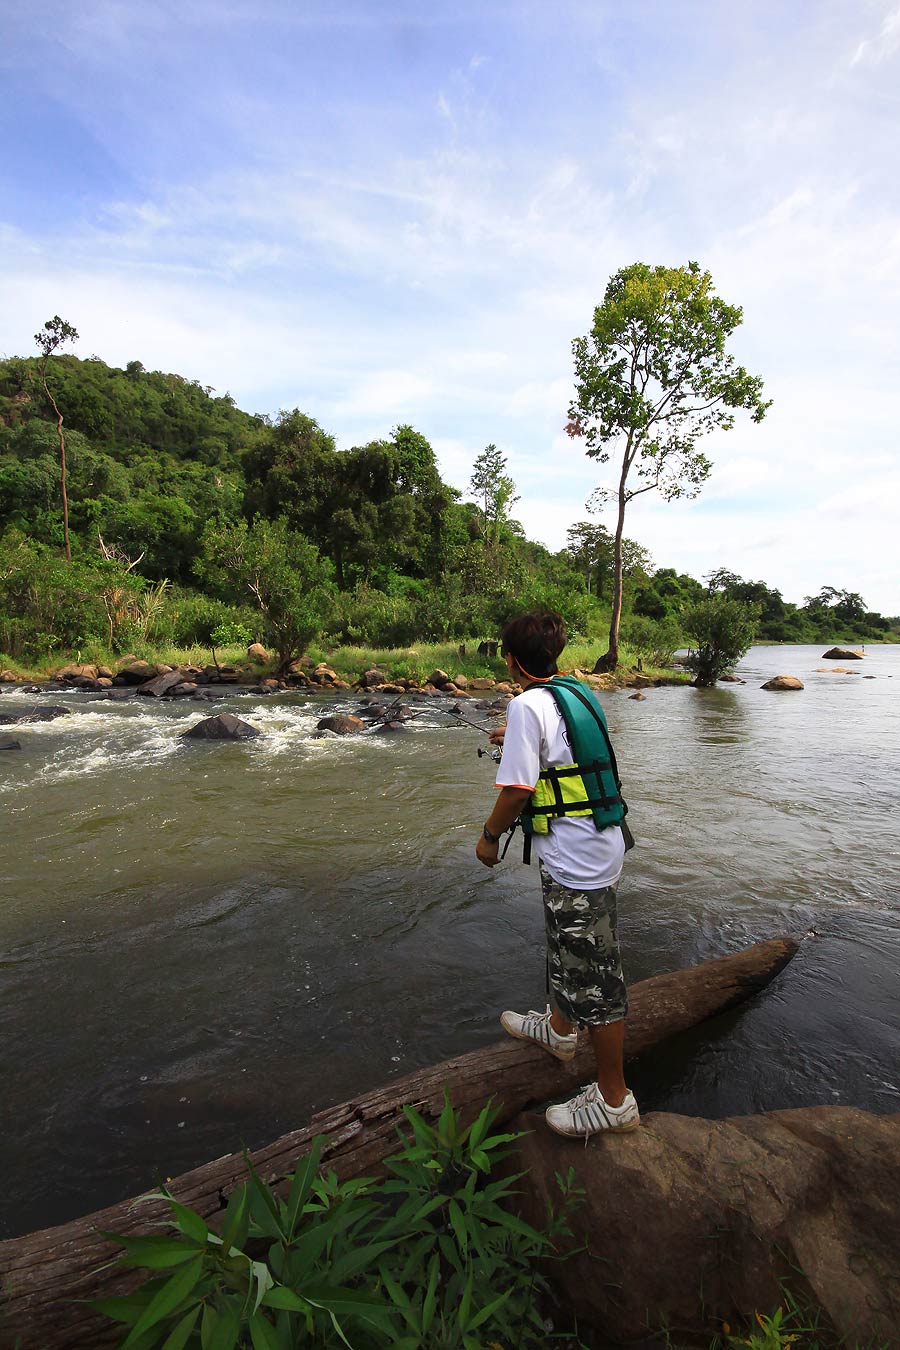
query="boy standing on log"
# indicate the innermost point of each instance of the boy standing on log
(559, 779)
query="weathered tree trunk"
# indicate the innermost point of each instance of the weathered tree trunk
(610, 660)
(46, 1276)
(62, 460)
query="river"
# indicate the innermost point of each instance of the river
(203, 943)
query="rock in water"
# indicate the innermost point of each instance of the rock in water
(690, 1222)
(9, 743)
(341, 725)
(842, 654)
(222, 727)
(36, 715)
(138, 672)
(783, 682)
(162, 684)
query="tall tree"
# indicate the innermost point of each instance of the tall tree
(494, 490)
(55, 334)
(653, 376)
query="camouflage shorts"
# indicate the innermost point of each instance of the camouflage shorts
(583, 958)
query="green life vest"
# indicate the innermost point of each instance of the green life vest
(588, 787)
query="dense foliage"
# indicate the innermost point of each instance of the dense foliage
(189, 517)
(429, 1258)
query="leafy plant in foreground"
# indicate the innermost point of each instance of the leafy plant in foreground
(427, 1259)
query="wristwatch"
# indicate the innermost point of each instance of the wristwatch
(491, 838)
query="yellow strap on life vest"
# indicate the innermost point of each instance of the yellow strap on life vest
(572, 790)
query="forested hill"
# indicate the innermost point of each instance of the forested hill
(168, 482)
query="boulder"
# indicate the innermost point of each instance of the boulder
(137, 672)
(783, 682)
(396, 688)
(482, 682)
(162, 684)
(221, 674)
(461, 681)
(842, 654)
(10, 743)
(75, 672)
(104, 673)
(438, 678)
(638, 697)
(691, 1223)
(373, 679)
(257, 652)
(8, 676)
(222, 727)
(731, 679)
(341, 725)
(323, 674)
(35, 715)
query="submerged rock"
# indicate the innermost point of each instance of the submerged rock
(783, 682)
(35, 715)
(222, 727)
(9, 743)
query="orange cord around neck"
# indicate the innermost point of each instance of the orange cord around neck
(535, 679)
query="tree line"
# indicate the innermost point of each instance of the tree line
(137, 506)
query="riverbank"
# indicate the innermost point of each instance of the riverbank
(407, 668)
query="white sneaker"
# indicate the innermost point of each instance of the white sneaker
(535, 1026)
(588, 1113)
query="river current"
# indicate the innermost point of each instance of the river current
(201, 944)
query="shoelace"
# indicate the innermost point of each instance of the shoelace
(543, 1019)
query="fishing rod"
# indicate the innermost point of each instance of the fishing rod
(496, 753)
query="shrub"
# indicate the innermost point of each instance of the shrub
(425, 1258)
(721, 631)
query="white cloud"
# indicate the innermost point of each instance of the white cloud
(883, 45)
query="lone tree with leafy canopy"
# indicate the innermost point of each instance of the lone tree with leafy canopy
(55, 334)
(653, 377)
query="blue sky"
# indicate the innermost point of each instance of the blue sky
(385, 212)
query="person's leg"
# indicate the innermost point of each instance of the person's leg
(607, 1043)
(586, 977)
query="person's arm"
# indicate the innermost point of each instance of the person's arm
(516, 777)
(507, 809)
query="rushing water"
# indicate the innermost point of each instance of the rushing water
(202, 944)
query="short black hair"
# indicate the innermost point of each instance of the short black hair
(535, 641)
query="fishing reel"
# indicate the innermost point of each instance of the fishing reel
(495, 754)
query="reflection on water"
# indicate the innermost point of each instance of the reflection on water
(202, 944)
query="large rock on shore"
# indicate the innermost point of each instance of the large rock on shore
(842, 654)
(691, 1222)
(138, 672)
(257, 652)
(783, 682)
(222, 727)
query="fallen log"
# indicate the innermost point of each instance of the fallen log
(46, 1276)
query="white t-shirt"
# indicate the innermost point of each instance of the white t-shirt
(574, 851)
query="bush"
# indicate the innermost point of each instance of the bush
(427, 1257)
(721, 631)
(655, 640)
